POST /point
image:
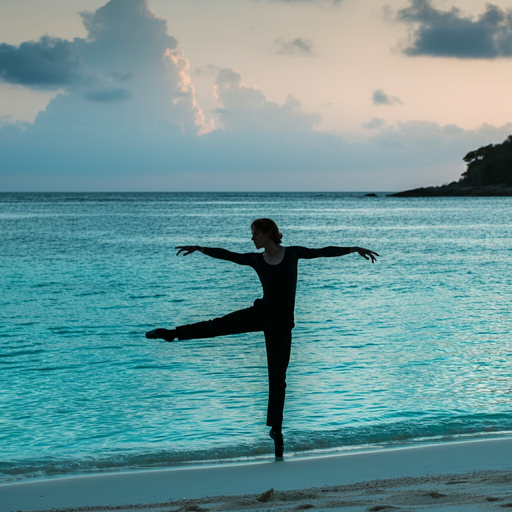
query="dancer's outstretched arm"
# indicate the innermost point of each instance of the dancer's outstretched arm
(221, 254)
(366, 253)
(330, 252)
(188, 249)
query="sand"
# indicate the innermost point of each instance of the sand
(459, 476)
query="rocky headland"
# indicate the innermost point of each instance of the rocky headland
(488, 173)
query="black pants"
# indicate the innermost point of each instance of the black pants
(278, 341)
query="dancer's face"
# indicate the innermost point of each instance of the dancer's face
(260, 238)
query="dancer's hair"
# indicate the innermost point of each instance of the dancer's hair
(268, 225)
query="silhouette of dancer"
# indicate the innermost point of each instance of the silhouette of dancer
(273, 314)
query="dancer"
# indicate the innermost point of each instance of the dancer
(273, 314)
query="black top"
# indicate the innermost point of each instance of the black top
(279, 281)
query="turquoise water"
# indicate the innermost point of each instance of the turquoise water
(415, 348)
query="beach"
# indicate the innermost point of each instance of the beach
(469, 475)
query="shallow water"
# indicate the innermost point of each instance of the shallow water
(411, 349)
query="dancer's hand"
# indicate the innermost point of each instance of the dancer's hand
(367, 254)
(188, 249)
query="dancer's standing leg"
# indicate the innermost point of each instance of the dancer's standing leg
(278, 343)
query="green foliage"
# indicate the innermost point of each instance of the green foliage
(489, 165)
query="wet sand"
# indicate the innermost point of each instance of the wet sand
(465, 476)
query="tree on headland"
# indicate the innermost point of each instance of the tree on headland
(478, 155)
(489, 165)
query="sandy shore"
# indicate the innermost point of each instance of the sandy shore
(465, 476)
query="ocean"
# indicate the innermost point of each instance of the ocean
(415, 348)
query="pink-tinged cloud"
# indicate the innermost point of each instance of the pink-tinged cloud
(246, 108)
(128, 57)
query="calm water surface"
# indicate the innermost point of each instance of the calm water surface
(414, 348)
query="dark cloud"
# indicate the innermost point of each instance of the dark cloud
(379, 97)
(122, 35)
(452, 34)
(49, 63)
(297, 46)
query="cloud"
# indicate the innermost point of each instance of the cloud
(131, 110)
(452, 34)
(50, 63)
(297, 46)
(110, 95)
(127, 57)
(208, 70)
(129, 29)
(421, 136)
(406, 155)
(129, 120)
(320, 2)
(379, 97)
(9, 122)
(374, 124)
(246, 108)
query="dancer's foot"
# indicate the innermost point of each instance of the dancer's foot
(163, 334)
(278, 442)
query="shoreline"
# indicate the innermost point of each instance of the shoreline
(457, 190)
(261, 458)
(151, 489)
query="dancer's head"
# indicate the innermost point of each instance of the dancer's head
(269, 227)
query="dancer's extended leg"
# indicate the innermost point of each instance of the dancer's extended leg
(245, 320)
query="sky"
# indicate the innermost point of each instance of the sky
(249, 95)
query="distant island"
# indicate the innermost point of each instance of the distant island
(489, 173)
